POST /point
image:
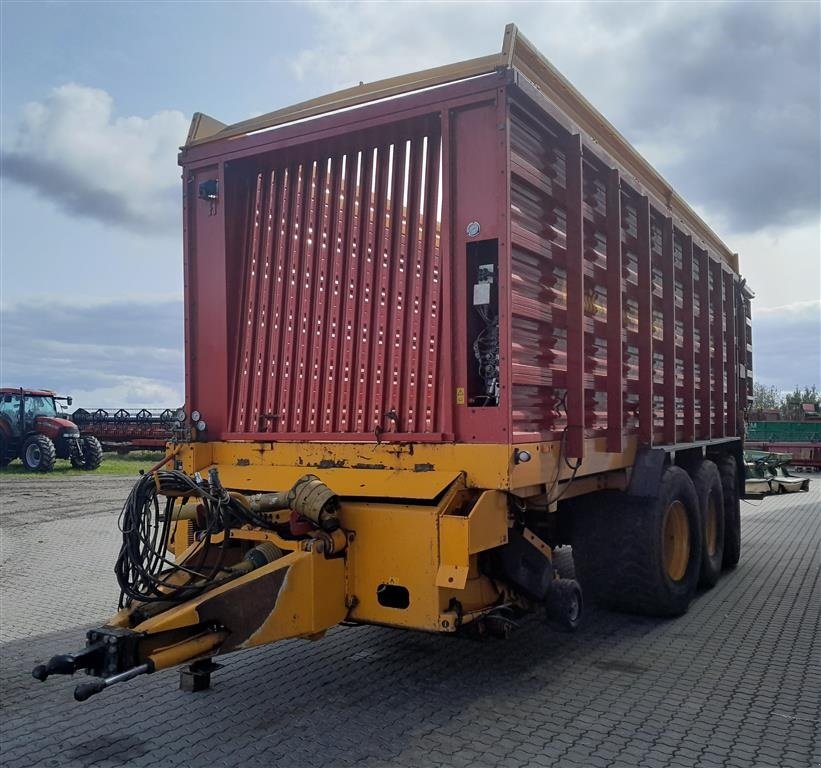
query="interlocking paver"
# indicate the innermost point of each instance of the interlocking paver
(734, 682)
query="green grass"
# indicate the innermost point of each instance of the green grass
(113, 464)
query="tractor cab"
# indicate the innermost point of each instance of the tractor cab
(32, 429)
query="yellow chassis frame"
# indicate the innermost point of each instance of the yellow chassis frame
(416, 519)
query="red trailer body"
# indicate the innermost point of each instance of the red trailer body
(330, 286)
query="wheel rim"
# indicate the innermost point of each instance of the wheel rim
(676, 541)
(33, 455)
(711, 528)
(573, 609)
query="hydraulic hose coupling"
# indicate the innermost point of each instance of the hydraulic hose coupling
(263, 503)
(262, 554)
(314, 501)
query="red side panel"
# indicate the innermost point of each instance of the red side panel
(620, 323)
(570, 269)
(477, 154)
(206, 283)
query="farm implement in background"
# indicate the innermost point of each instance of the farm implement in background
(123, 431)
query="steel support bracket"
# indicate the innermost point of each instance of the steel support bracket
(647, 471)
(197, 676)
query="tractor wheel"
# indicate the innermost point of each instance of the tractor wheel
(5, 456)
(38, 454)
(641, 555)
(711, 504)
(732, 512)
(91, 454)
(564, 605)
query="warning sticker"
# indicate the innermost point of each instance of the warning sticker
(460, 395)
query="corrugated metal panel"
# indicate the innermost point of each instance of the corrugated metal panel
(558, 348)
(661, 319)
(336, 294)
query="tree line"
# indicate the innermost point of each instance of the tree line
(788, 404)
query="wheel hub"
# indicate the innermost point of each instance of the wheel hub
(676, 543)
(711, 528)
(33, 455)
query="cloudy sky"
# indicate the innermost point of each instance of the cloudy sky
(723, 98)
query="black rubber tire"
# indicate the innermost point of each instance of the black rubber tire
(618, 549)
(38, 454)
(732, 512)
(564, 605)
(92, 455)
(707, 482)
(5, 457)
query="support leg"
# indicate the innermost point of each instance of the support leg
(197, 676)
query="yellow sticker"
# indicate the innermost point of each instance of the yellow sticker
(460, 395)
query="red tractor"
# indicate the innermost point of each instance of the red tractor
(32, 430)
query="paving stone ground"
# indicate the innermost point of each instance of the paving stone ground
(736, 682)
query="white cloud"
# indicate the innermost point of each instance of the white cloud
(127, 392)
(782, 265)
(73, 150)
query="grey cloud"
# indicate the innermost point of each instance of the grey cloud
(787, 345)
(737, 91)
(128, 350)
(75, 196)
(722, 98)
(72, 150)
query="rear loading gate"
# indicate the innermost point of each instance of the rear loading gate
(476, 271)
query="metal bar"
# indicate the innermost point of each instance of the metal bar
(505, 261)
(189, 287)
(745, 347)
(669, 331)
(334, 324)
(325, 328)
(262, 320)
(237, 210)
(688, 345)
(357, 218)
(337, 437)
(704, 345)
(718, 352)
(615, 382)
(645, 333)
(741, 353)
(438, 380)
(415, 244)
(396, 340)
(416, 258)
(248, 320)
(731, 427)
(288, 337)
(365, 295)
(575, 300)
(280, 276)
(382, 254)
(306, 280)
